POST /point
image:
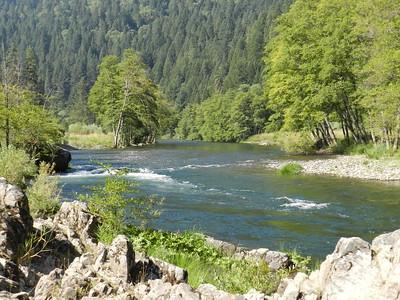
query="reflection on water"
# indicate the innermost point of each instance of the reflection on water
(224, 190)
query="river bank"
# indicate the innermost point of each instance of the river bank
(349, 166)
(67, 262)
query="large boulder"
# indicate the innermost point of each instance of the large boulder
(15, 220)
(355, 270)
(56, 156)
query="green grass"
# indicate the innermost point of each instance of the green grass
(291, 142)
(291, 169)
(206, 264)
(371, 151)
(90, 141)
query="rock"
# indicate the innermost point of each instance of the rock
(61, 160)
(275, 260)
(15, 220)
(355, 270)
(120, 259)
(4, 295)
(75, 221)
(254, 295)
(210, 292)
(57, 156)
(169, 272)
(224, 247)
(48, 286)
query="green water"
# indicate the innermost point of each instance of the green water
(225, 191)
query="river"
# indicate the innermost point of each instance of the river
(225, 191)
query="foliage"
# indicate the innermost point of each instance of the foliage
(16, 166)
(337, 61)
(125, 101)
(204, 263)
(193, 48)
(35, 245)
(44, 193)
(291, 142)
(117, 203)
(291, 169)
(229, 117)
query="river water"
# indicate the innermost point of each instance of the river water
(223, 190)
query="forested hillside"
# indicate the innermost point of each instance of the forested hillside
(193, 48)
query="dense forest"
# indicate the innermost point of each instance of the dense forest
(328, 70)
(193, 48)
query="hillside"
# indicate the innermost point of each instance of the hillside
(193, 48)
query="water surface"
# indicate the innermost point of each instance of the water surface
(225, 191)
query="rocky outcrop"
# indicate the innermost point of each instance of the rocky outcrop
(275, 260)
(15, 220)
(74, 220)
(355, 270)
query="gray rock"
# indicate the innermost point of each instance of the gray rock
(4, 295)
(15, 220)
(49, 286)
(355, 270)
(121, 258)
(74, 220)
(210, 292)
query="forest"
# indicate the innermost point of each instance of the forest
(207, 70)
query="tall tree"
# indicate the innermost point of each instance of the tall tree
(125, 100)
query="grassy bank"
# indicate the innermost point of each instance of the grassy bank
(90, 141)
(83, 136)
(291, 142)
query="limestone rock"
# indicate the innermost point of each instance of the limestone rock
(15, 220)
(75, 221)
(355, 270)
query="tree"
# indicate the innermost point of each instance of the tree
(310, 78)
(378, 26)
(125, 100)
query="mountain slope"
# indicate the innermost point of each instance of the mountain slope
(193, 48)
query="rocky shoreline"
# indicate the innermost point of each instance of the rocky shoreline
(358, 167)
(66, 262)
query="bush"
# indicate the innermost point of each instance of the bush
(291, 169)
(44, 193)
(299, 143)
(116, 205)
(16, 166)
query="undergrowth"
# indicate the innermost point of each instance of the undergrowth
(205, 264)
(290, 169)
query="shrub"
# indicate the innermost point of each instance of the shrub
(116, 205)
(291, 169)
(16, 166)
(44, 193)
